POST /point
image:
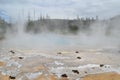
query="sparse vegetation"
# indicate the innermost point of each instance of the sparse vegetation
(3, 28)
(73, 29)
(62, 26)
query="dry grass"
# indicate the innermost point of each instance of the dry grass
(103, 76)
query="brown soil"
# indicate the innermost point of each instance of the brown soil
(48, 77)
(64, 79)
(103, 76)
(38, 68)
(2, 63)
(4, 77)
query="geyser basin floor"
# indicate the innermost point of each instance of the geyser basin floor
(103, 76)
(57, 65)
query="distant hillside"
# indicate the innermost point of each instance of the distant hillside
(110, 27)
(63, 26)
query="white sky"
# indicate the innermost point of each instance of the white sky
(61, 8)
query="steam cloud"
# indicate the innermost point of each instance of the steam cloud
(101, 34)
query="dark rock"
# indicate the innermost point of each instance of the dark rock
(20, 57)
(12, 52)
(75, 71)
(101, 65)
(77, 52)
(59, 53)
(78, 57)
(86, 72)
(64, 75)
(11, 77)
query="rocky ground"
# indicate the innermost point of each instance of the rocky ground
(85, 64)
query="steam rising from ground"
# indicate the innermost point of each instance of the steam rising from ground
(99, 35)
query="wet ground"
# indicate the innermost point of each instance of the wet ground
(57, 65)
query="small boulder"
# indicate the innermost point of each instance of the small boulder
(77, 52)
(101, 65)
(12, 77)
(75, 71)
(78, 57)
(64, 75)
(20, 57)
(12, 52)
(59, 53)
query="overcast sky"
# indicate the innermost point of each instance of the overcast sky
(61, 8)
